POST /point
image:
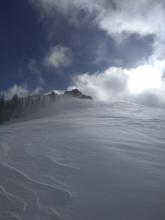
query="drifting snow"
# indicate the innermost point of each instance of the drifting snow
(84, 161)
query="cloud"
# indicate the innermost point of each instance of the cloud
(133, 17)
(114, 16)
(21, 91)
(35, 69)
(134, 51)
(119, 19)
(111, 83)
(124, 84)
(58, 57)
(150, 98)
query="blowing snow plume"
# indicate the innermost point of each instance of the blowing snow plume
(144, 85)
(37, 105)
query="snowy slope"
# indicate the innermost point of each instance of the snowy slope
(84, 161)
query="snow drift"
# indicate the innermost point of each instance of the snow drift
(84, 160)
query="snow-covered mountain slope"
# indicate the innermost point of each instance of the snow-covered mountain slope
(84, 160)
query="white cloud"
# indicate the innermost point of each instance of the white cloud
(115, 16)
(35, 68)
(104, 85)
(118, 18)
(133, 17)
(21, 91)
(150, 98)
(58, 56)
(144, 78)
(117, 84)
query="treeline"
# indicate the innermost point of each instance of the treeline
(19, 107)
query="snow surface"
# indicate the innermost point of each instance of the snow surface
(84, 160)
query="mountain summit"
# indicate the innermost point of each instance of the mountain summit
(76, 93)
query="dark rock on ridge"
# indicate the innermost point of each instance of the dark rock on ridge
(76, 93)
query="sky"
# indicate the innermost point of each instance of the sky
(108, 49)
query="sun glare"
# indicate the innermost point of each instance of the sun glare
(144, 78)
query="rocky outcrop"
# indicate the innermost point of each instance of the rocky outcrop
(77, 94)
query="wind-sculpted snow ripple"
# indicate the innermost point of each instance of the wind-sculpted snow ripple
(29, 198)
(31, 184)
(91, 161)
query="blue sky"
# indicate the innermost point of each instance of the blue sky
(48, 44)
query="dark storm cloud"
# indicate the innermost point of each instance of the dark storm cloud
(113, 16)
(132, 51)
(110, 40)
(135, 50)
(130, 23)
